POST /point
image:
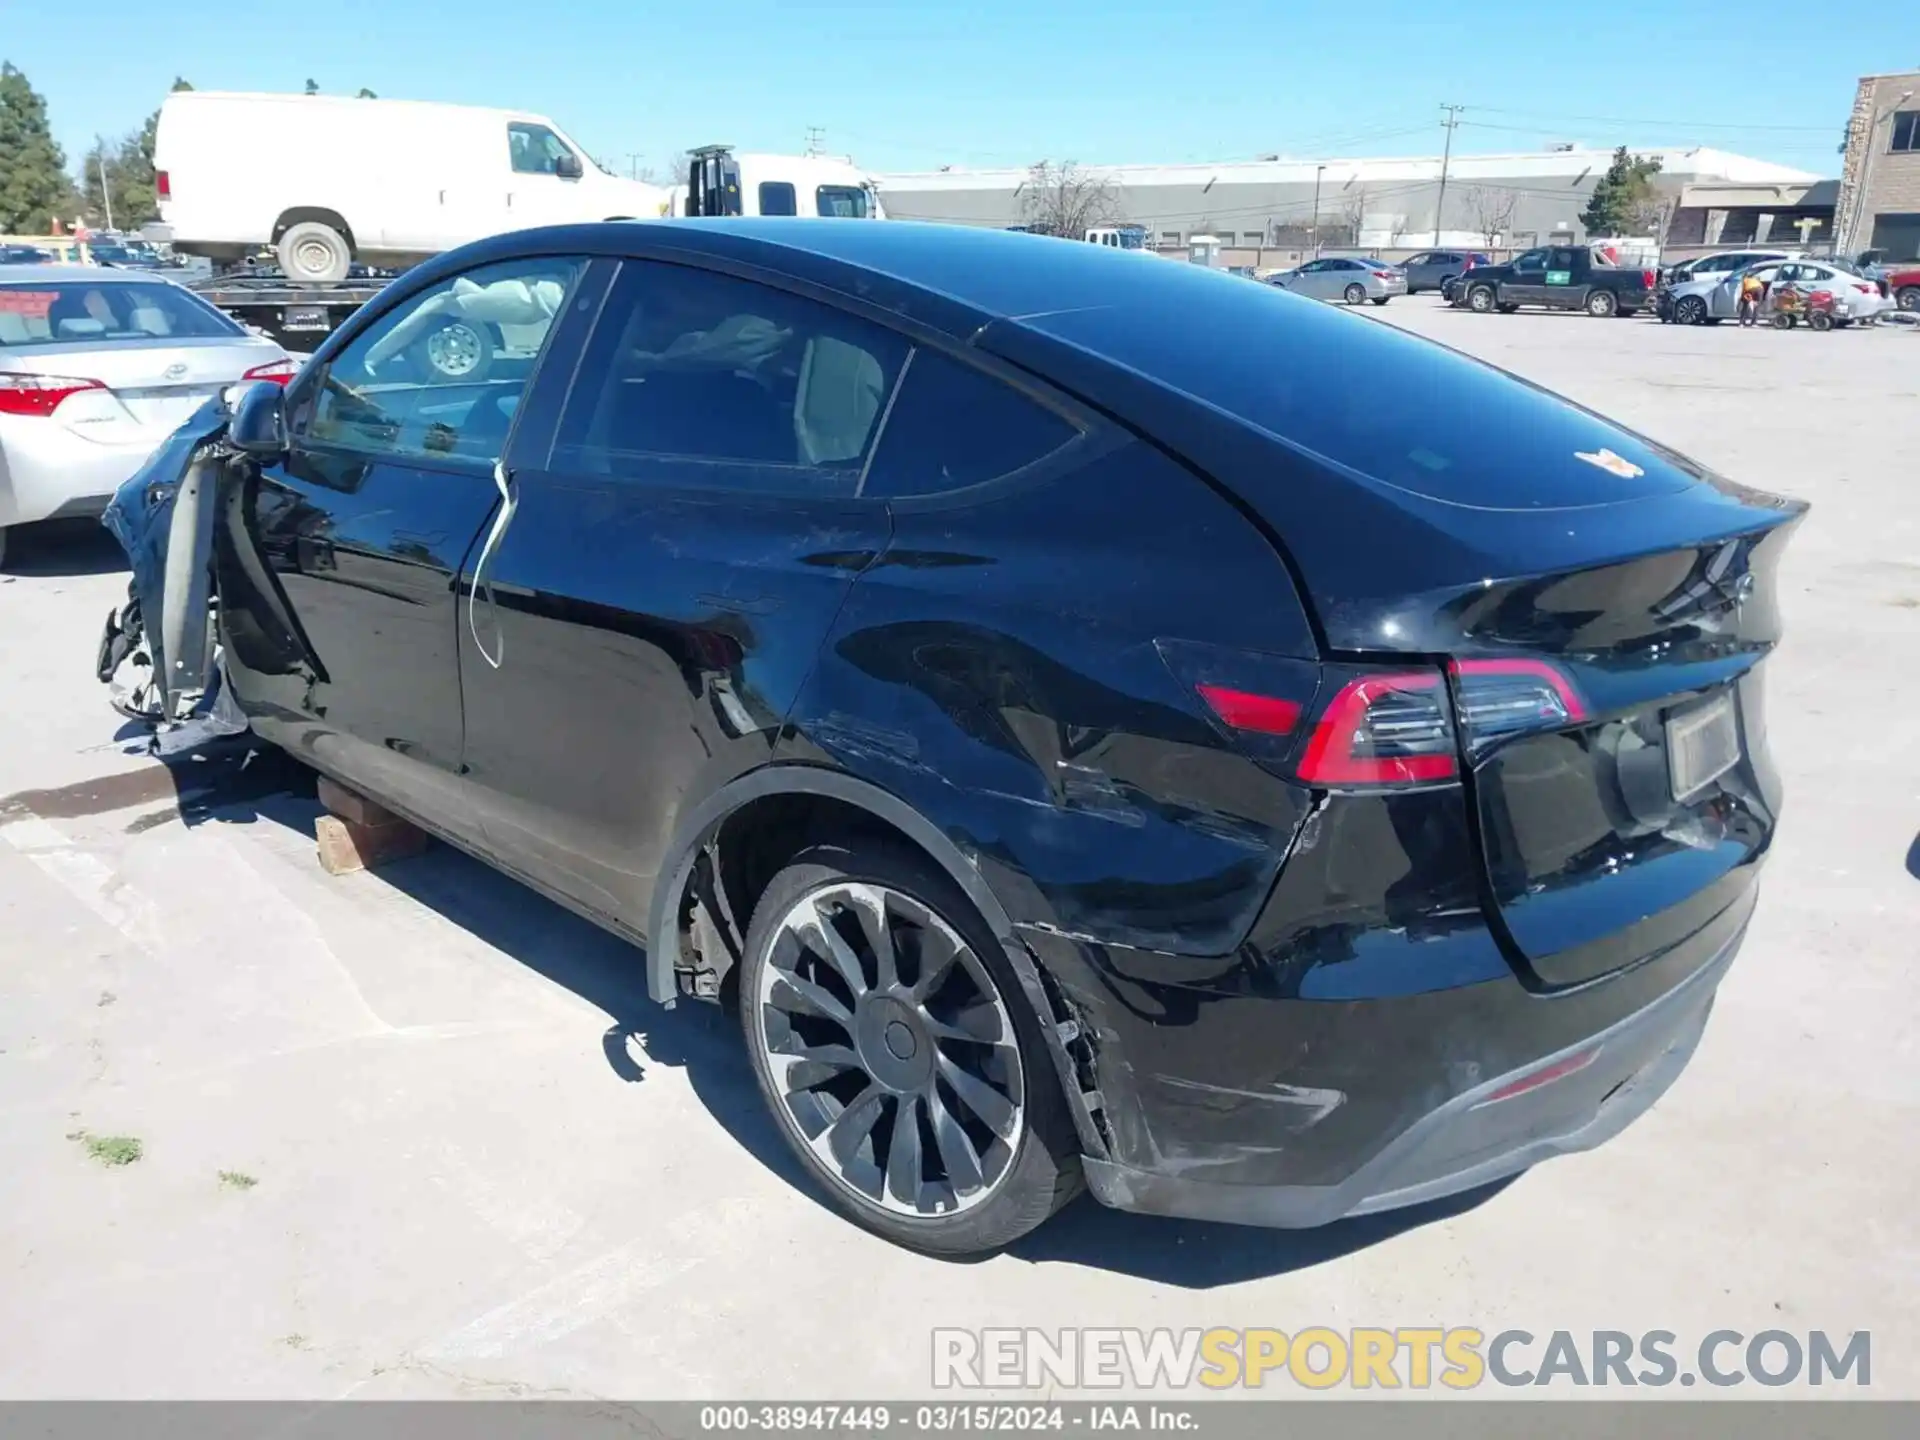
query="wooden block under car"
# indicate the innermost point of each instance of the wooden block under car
(360, 834)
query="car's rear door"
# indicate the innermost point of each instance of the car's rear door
(1567, 279)
(337, 565)
(639, 630)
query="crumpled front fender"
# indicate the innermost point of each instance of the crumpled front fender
(163, 518)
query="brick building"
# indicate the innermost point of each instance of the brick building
(1879, 204)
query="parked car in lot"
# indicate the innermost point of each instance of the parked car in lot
(1705, 267)
(1383, 826)
(1713, 298)
(1560, 277)
(1340, 278)
(97, 367)
(1904, 285)
(24, 255)
(1432, 269)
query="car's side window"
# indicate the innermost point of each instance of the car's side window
(952, 426)
(693, 378)
(777, 198)
(1532, 260)
(437, 378)
(535, 149)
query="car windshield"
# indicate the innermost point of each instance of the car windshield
(81, 312)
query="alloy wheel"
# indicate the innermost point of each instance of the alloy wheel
(891, 1050)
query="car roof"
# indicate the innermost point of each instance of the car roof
(953, 278)
(41, 274)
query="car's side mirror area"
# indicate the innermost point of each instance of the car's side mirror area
(259, 423)
(567, 167)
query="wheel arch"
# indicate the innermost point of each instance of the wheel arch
(870, 805)
(316, 214)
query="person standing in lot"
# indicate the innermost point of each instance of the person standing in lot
(1750, 292)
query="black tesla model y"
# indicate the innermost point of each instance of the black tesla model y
(1083, 731)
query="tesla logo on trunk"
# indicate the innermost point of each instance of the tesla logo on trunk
(1611, 463)
(174, 372)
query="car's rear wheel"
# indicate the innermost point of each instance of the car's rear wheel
(1691, 310)
(903, 1067)
(1909, 297)
(311, 251)
(1355, 293)
(1601, 304)
(1480, 299)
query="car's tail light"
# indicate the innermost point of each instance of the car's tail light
(1383, 274)
(1387, 729)
(1497, 699)
(162, 185)
(39, 395)
(1647, 278)
(278, 371)
(1866, 289)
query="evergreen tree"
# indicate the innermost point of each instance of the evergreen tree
(34, 187)
(1623, 199)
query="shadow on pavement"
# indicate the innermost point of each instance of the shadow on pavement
(235, 783)
(55, 549)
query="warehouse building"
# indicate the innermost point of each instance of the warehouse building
(1384, 204)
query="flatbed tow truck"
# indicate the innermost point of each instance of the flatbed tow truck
(297, 315)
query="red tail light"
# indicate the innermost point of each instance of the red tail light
(279, 371)
(1867, 289)
(39, 395)
(1383, 274)
(1241, 710)
(1500, 698)
(162, 185)
(1383, 730)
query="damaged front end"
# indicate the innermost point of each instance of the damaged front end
(159, 652)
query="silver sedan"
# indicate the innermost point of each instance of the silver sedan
(1340, 278)
(1716, 297)
(97, 367)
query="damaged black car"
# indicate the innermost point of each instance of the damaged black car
(1087, 739)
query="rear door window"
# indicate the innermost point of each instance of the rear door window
(700, 380)
(843, 202)
(83, 312)
(952, 426)
(777, 198)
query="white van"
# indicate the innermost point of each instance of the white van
(327, 181)
(720, 182)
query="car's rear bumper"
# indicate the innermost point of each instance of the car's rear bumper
(47, 472)
(1273, 1110)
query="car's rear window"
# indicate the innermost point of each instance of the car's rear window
(77, 312)
(1367, 396)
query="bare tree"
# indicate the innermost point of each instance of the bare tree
(1492, 211)
(1648, 215)
(1353, 210)
(1066, 200)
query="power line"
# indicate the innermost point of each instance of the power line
(1675, 124)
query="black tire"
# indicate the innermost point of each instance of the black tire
(1482, 300)
(1042, 1172)
(1602, 304)
(1354, 293)
(454, 352)
(1690, 310)
(1383, 300)
(311, 251)
(1783, 322)
(1909, 298)
(1819, 320)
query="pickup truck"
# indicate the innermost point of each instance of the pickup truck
(1904, 285)
(1560, 277)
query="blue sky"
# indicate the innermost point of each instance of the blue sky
(923, 83)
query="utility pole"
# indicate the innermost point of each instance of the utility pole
(1446, 158)
(106, 195)
(633, 165)
(814, 136)
(1318, 171)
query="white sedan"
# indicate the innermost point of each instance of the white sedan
(1716, 297)
(97, 367)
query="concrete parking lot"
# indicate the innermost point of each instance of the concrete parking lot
(419, 1132)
